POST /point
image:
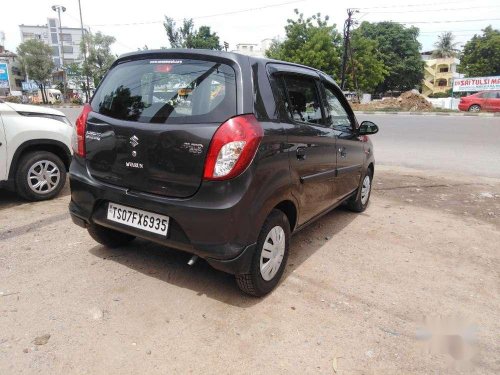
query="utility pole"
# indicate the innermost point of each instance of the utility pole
(58, 9)
(347, 35)
(87, 91)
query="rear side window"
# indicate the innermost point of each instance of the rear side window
(168, 91)
(303, 99)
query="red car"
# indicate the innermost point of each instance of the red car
(481, 101)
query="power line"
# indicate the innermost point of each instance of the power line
(434, 10)
(455, 21)
(205, 16)
(414, 5)
(453, 31)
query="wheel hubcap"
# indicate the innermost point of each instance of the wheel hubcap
(365, 190)
(43, 177)
(272, 253)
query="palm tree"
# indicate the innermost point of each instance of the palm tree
(445, 47)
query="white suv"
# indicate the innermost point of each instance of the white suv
(35, 150)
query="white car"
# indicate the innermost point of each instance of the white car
(35, 150)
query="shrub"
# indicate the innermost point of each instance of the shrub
(13, 99)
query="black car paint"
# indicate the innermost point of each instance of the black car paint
(220, 220)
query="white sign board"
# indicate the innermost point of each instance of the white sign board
(476, 84)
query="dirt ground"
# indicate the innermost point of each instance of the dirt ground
(353, 299)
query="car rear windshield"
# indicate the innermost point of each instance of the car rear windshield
(168, 91)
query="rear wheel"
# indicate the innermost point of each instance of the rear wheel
(41, 175)
(359, 202)
(269, 260)
(108, 237)
(475, 108)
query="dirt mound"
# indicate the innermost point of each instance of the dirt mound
(408, 101)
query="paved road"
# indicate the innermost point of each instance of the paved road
(467, 145)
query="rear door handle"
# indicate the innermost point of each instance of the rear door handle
(301, 153)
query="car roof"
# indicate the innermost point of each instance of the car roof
(234, 56)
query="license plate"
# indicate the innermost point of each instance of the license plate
(136, 218)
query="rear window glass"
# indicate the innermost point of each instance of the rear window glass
(168, 91)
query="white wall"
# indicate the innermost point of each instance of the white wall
(446, 103)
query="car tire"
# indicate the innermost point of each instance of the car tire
(40, 176)
(359, 202)
(474, 108)
(270, 257)
(109, 237)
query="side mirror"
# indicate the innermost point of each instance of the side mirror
(367, 128)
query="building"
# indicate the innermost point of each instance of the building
(11, 70)
(252, 49)
(50, 34)
(438, 73)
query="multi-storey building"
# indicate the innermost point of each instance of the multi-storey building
(13, 70)
(51, 35)
(438, 73)
(253, 49)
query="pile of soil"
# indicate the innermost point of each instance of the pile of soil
(408, 101)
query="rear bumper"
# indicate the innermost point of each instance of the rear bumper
(216, 223)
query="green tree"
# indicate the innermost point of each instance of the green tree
(445, 46)
(75, 73)
(399, 49)
(309, 41)
(366, 69)
(481, 54)
(36, 59)
(99, 57)
(204, 38)
(187, 37)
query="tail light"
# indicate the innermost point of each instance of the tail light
(81, 124)
(232, 148)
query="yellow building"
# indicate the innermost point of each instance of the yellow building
(438, 73)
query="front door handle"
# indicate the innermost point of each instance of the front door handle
(342, 152)
(301, 153)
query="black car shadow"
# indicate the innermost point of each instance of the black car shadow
(170, 266)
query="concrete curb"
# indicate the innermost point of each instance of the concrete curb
(429, 113)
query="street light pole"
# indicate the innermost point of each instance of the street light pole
(58, 9)
(87, 91)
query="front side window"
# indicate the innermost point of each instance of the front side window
(336, 115)
(303, 99)
(168, 91)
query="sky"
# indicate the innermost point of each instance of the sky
(135, 24)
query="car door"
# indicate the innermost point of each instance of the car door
(493, 101)
(3, 149)
(349, 147)
(311, 144)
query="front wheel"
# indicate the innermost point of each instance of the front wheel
(269, 260)
(359, 202)
(474, 108)
(41, 175)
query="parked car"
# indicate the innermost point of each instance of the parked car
(35, 150)
(481, 101)
(220, 155)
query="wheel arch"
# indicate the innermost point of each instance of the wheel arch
(289, 208)
(50, 145)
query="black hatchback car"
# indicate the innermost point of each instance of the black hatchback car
(219, 155)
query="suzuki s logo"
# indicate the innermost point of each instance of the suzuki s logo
(134, 141)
